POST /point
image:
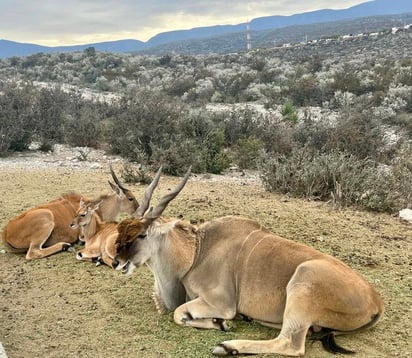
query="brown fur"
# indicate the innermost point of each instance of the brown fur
(99, 236)
(45, 229)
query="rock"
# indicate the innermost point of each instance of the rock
(2, 351)
(406, 215)
(95, 166)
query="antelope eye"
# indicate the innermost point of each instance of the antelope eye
(82, 215)
(131, 199)
(141, 236)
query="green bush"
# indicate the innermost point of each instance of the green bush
(48, 115)
(203, 157)
(289, 113)
(144, 120)
(83, 128)
(245, 153)
(16, 118)
(181, 154)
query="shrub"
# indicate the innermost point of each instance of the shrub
(339, 177)
(245, 153)
(361, 134)
(49, 107)
(82, 127)
(177, 157)
(16, 123)
(144, 120)
(289, 113)
(180, 86)
(135, 174)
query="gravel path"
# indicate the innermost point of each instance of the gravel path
(84, 158)
(62, 156)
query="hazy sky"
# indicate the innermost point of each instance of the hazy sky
(71, 22)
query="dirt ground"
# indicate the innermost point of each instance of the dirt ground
(58, 307)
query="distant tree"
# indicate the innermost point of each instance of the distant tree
(90, 51)
(165, 60)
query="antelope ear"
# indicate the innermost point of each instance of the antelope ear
(96, 205)
(116, 189)
(166, 227)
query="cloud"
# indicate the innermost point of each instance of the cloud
(56, 22)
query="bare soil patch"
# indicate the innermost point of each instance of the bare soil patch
(58, 307)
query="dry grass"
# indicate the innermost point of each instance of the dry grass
(57, 307)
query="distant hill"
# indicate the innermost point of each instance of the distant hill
(236, 42)
(367, 9)
(370, 8)
(10, 48)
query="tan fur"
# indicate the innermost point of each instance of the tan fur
(239, 267)
(45, 229)
(99, 236)
(233, 266)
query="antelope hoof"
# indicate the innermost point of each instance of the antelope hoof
(186, 317)
(222, 324)
(222, 350)
(67, 247)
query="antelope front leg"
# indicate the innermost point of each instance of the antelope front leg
(36, 252)
(106, 259)
(279, 345)
(289, 342)
(199, 314)
(88, 254)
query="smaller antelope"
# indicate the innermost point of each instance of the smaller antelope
(99, 236)
(45, 229)
(233, 266)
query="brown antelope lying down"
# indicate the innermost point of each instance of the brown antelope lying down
(99, 236)
(232, 265)
(45, 229)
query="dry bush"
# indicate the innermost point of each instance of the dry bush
(340, 177)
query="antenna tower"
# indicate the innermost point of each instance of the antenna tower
(248, 37)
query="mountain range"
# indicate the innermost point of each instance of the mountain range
(366, 9)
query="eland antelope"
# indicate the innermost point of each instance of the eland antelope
(233, 266)
(45, 229)
(100, 236)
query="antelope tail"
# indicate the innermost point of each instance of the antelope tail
(327, 336)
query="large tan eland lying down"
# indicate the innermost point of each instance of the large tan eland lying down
(45, 229)
(233, 266)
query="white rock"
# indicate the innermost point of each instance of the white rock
(406, 215)
(95, 166)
